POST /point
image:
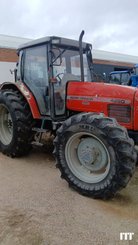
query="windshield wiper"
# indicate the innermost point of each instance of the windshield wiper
(60, 54)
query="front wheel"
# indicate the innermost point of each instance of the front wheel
(95, 155)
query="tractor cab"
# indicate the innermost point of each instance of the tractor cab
(47, 64)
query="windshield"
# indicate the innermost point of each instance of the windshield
(68, 62)
(125, 78)
(115, 78)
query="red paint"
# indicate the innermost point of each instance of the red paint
(30, 98)
(27, 94)
(95, 97)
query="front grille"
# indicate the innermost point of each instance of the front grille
(120, 112)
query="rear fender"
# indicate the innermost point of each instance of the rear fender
(19, 86)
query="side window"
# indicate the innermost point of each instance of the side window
(35, 66)
(36, 76)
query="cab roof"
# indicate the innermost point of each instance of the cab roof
(55, 40)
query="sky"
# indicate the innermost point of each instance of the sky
(109, 25)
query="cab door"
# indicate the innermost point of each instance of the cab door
(35, 76)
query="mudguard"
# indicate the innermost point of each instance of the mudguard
(19, 86)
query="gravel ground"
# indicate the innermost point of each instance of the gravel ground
(38, 208)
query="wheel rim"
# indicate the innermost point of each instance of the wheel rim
(87, 157)
(6, 125)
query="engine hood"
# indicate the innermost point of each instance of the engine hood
(90, 96)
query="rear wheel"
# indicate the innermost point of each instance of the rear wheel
(95, 155)
(15, 124)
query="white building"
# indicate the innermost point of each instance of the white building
(103, 61)
(8, 57)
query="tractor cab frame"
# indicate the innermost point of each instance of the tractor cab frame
(45, 67)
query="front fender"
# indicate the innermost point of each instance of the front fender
(19, 86)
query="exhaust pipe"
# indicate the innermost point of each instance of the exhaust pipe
(81, 56)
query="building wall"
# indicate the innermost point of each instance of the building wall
(99, 69)
(8, 55)
(107, 66)
(5, 74)
(8, 59)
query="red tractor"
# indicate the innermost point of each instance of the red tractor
(54, 91)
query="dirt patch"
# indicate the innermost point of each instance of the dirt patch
(17, 228)
(38, 208)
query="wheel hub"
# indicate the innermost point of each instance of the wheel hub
(6, 125)
(87, 157)
(9, 123)
(90, 154)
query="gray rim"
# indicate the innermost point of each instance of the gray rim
(87, 157)
(6, 125)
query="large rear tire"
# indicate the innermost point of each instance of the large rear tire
(95, 155)
(15, 124)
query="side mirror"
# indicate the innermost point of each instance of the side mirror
(11, 71)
